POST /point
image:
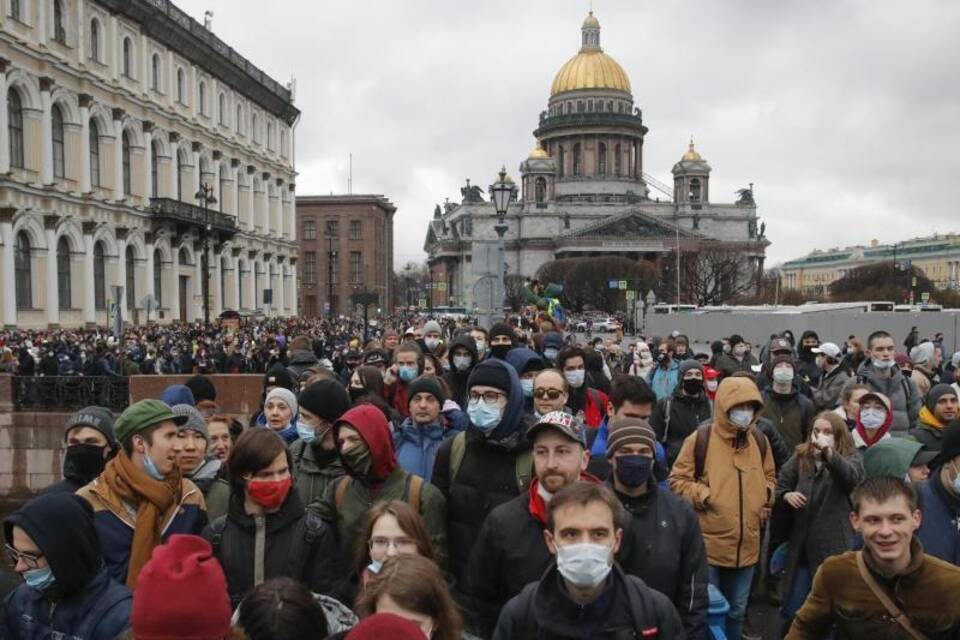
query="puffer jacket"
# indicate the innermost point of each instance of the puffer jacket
(939, 531)
(827, 394)
(676, 417)
(905, 399)
(314, 470)
(737, 483)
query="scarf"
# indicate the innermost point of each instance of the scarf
(878, 433)
(152, 499)
(927, 418)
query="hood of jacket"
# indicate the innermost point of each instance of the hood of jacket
(730, 393)
(509, 428)
(466, 341)
(61, 525)
(890, 457)
(303, 358)
(372, 426)
(521, 357)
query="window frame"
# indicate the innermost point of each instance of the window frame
(15, 128)
(126, 163)
(129, 63)
(96, 41)
(156, 72)
(22, 267)
(64, 290)
(94, 135)
(59, 142)
(59, 30)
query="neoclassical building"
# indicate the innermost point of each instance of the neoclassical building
(113, 114)
(584, 190)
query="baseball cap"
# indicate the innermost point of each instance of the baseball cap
(779, 344)
(828, 349)
(567, 424)
(142, 415)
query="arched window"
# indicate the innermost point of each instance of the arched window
(180, 87)
(562, 162)
(577, 160)
(154, 169)
(131, 284)
(616, 161)
(602, 159)
(184, 257)
(222, 109)
(541, 190)
(128, 57)
(15, 127)
(155, 72)
(21, 266)
(94, 154)
(63, 273)
(59, 31)
(283, 142)
(202, 97)
(59, 164)
(95, 40)
(125, 150)
(99, 277)
(158, 276)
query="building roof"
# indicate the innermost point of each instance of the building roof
(591, 68)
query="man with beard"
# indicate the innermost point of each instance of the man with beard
(90, 443)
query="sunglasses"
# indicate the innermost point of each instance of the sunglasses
(553, 394)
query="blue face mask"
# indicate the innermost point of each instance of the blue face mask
(550, 354)
(375, 566)
(633, 470)
(306, 433)
(483, 416)
(151, 468)
(407, 373)
(39, 579)
(527, 388)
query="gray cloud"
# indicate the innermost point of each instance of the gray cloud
(842, 112)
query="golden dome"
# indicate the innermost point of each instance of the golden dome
(691, 155)
(538, 153)
(591, 22)
(590, 70)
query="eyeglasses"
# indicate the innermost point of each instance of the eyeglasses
(553, 394)
(488, 396)
(14, 556)
(400, 545)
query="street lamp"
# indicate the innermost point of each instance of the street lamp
(501, 193)
(206, 198)
(648, 304)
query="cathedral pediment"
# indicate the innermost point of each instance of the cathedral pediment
(631, 224)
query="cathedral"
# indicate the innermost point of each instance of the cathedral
(584, 192)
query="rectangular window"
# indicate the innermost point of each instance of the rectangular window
(355, 229)
(356, 267)
(310, 268)
(333, 229)
(309, 230)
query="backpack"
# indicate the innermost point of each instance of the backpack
(523, 464)
(412, 491)
(703, 442)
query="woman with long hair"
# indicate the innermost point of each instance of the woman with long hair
(813, 493)
(365, 380)
(393, 528)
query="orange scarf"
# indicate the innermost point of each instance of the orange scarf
(152, 498)
(926, 417)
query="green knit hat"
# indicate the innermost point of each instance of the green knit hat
(142, 415)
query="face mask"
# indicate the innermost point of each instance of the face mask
(306, 433)
(151, 468)
(741, 417)
(483, 416)
(357, 459)
(550, 354)
(575, 378)
(375, 566)
(356, 392)
(500, 351)
(431, 343)
(872, 418)
(633, 470)
(39, 579)
(83, 462)
(481, 347)
(269, 494)
(585, 564)
(692, 386)
(462, 363)
(407, 373)
(527, 386)
(783, 375)
(883, 364)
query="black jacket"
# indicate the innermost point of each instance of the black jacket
(686, 413)
(663, 545)
(628, 608)
(781, 452)
(457, 380)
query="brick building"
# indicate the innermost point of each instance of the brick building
(346, 247)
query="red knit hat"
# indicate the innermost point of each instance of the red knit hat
(383, 625)
(181, 594)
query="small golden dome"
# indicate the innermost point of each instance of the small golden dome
(591, 22)
(691, 155)
(538, 153)
(590, 70)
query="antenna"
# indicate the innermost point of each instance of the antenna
(350, 177)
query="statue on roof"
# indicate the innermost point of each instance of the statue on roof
(436, 212)
(763, 230)
(745, 197)
(471, 193)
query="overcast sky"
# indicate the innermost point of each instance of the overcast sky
(843, 113)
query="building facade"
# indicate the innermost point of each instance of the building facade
(346, 248)
(937, 256)
(584, 191)
(113, 114)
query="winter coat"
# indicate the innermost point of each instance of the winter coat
(289, 545)
(216, 491)
(926, 593)
(905, 399)
(727, 365)
(300, 362)
(417, 446)
(791, 414)
(457, 380)
(676, 417)
(822, 528)
(929, 430)
(781, 452)
(663, 545)
(827, 394)
(314, 470)
(736, 485)
(663, 382)
(628, 608)
(487, 476)
(939, 531)
(591, 401)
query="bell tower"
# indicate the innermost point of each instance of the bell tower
(691, 179)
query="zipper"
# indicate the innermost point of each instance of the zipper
(740, 539)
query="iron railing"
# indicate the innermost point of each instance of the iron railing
(68, 393)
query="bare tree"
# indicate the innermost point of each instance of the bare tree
(709, 276)
(513, 291)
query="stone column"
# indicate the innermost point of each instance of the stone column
(121, 233)
(174, 165)
(265, 205)
(148, 163)
(41, 23)
(118, 154)
(235, 171)
(195, 187)
(251, 280)
(278, 294)
(52, 293)
(251, 201)
(115, 47)
(292, 212)
(7, 267)
(281, 223)
(86, 100)
(81, 35)
(236, 278)
(151, 291)
(46, 130)
(4, 121)
(197, 303)
(217, 156)
(215, 291)
(173, 302)
(89, 302)
(294, 289)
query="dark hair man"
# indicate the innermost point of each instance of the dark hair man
(881, 373)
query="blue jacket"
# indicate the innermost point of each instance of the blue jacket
(417, 446)
(664, 381)
(941, 513)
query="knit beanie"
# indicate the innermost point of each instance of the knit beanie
(625, 431)
(432, 326)
(490, 374)
(99, 418)
(687, 365)
(426, 384)
(385, 625)
(195, 421)
(937, 392)
(327, 399)
(178, 394)
(279, 393)
(202, 388)
(181, 593)
(278, 376)
(503, 329)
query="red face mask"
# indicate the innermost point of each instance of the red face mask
(269, 494)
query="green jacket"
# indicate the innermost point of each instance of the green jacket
(217, 497)
(312, 476)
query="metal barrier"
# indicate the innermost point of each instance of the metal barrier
(68, 393)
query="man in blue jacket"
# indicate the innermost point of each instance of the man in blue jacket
(419, 437)
(67, 592)
(940, 500)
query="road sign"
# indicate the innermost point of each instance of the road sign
(631, 295)
(925, 297)
(623, 285)
(423, 302)
(441, 286)
(614, 284)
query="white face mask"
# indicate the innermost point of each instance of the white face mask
(462, 363)
(575, 378)
(783, 375)
(883, 364)
(872, 418)
(481, 347)
(585, 564)
(741, 417)
(431, 343)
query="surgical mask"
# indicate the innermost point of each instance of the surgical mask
(633, 470)
(39, 579)
(872, 418)
(550, 354)
(481, 347)
(585, 564)
(306, 433)
(462, 363)
(692, 386)
(883, 364)
(741, 417)
(527, 386)
(432, 343)
(375, 566)
(151, 468)
(357, 459)
(407, 373)
(483, 416)
(575, 378)
(783, 375)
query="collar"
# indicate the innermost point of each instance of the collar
(929, 419)
(916, 562)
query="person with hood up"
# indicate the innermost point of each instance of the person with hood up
(726, 471)
(280, 409)
(551, 345)
(900, 458)
(807, 368)
(487, 465)
(315, 462)
(676, 417)
(366, 452)
(589, 401)
(67, 592)
(790, 411)
(873, 421)
(432, 336)
(939, 409)
(302, 360)
(90, 445)
(419, 437)
(528, 364)
(834, 376)
(642, 361)
(463, 358)
(925, 361)
(502, 339)
(191, 450)
(940, 498)
(882, 374)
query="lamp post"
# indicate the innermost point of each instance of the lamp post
(648, 304)
(206, 198)
(501, 193)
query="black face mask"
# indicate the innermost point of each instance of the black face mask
(83, 462)
(500, 351)
(692, 386)
(356, 393)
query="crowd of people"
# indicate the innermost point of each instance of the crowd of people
(448, 481)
